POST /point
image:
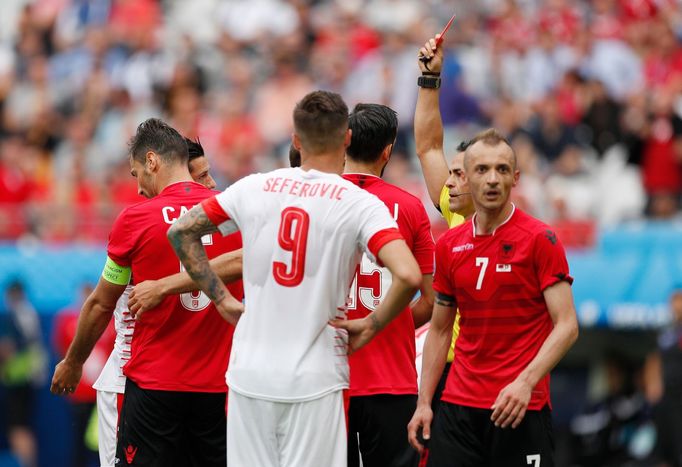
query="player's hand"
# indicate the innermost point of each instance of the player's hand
(434, 54)
(420, 426)
(230, 309)
(360, 331)
(144, 296)
(66, 377)
(511, 404)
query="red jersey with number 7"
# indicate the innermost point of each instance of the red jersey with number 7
(498, 282)
(304, 232)
(387, 364)
(183, 344)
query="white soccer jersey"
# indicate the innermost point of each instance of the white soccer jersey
(303, 234)
(112, 379)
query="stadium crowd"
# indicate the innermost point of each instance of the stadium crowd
(588, 92)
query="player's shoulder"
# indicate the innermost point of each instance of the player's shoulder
(137, 208)
(528, 224)
(404, 196)
(532, 230)
(457, 233)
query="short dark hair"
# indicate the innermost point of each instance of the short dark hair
(321, 121)
(373, 127)
(294, 156)
(489, 137)
(156, 135)
(194, 149)
(463, 145)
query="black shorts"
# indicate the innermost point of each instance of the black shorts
(171, 428)
(19, 405)
(379, 424)
(465, 437)
(668, 419)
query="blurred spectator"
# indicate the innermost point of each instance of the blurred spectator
(602, 118)
(22, 370)
(551, 136)
(276, 98)
(663, 384)
(84, 398)
(529, 193)
(615, 431)
(657, 148)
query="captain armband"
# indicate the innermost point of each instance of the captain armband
(119, 275)
(444, 300)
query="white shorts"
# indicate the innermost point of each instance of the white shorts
(281, 434)
(107, 423)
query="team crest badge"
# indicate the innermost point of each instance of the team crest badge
(507, 250)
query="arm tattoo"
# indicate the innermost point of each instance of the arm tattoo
(375, 322)
(185, 238)
(444, 300)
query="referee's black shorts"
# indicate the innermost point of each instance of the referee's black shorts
(377, 430)
(465, 437)
(171, 428)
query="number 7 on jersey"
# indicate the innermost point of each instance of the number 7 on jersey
(293, 237)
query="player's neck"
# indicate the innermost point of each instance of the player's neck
(486, 221)
(326, 162)
(355, 167)
(173, 175)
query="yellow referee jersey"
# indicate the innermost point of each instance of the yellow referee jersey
(453, 220)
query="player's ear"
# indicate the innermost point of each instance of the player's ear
(296, 141)
(386, 154)
(346, 139)
(517, 174)
(151, 161)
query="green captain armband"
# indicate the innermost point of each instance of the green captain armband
(119, 275)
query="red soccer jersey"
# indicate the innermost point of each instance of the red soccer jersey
(387, 364)
(498, 281)
(183, 344)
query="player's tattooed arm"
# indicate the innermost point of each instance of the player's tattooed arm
(185, 237)
(445, 300)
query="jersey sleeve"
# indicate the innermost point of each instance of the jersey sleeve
(377, 227)
(442, 280)
(423, 244)
(550, 260)
(122, 239)
(223, 210)
(450, 217)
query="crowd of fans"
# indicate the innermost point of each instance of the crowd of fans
(589, 92)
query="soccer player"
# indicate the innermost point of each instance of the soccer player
(304, 230)
(175, 393)
(507, 272)
(110, 385)
(383, 374)
(199, 167)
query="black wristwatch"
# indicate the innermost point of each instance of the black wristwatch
(431, 82)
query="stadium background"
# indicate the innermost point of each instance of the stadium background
(588, 91)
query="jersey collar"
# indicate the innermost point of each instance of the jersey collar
(177, 186)
(473, 221)
(361, 179)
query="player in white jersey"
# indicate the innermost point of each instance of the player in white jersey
(110, 385)
(304, 230)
